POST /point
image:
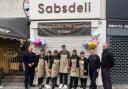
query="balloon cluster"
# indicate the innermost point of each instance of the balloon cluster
(92, 44)
(38, 42)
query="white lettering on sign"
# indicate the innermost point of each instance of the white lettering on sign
(118, 26)
(64, 9)
(3, 30)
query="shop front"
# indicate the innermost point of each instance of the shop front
(12, 32)
(73, 23)
(117, 37)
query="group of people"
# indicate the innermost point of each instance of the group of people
(64, 64)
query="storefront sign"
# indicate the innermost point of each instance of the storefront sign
(64, 9)
(117, 24)
(64, 29)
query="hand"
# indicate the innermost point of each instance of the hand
(30, 65)
(33, 63)
(98, 70)
(36, 69)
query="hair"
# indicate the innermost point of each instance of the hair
(82, 52)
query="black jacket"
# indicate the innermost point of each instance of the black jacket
(28, 58)
(107, 59)
(94, 62)
(85, 65)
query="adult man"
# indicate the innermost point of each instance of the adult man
(107, 63)
(29, 63)
(64, 64)
(94, 65)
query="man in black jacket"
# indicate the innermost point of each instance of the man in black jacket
(107, 63)
(29, 63)
(94, 65)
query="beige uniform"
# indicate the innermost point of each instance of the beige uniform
(48, 71)
(40, 68)
(55, 68)
(74, 70)
(63, 63)
(81, 68)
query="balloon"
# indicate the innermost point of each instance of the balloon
(92, 45)
(37, 42)
(31, 40)
(95, 33)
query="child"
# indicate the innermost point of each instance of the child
(83, 70)
(40, 67)
(55, 69)
(48, 67)
(74, 72)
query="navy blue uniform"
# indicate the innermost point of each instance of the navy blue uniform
(94, 64)
(29, 58)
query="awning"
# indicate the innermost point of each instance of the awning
(13, 28)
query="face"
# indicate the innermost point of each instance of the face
(49, 54)
(42, 52)
(30, 49)
(74, 53)
(55, 54)
(92, 52)
(105, 46)
(64, 48)
(82, 55)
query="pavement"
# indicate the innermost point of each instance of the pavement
(16, 85)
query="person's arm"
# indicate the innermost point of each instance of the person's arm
(77, 62)
(37, 60)
(51, 62)
(111, 59)
(24, 59)
(85, 66)
(98, 62)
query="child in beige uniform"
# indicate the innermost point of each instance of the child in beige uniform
(55, 69)
(48, 67)
(83, 66)
(74, 70)
(40, 70)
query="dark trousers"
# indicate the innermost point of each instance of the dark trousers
(48, 80)
(73, 82)
(54, 81)
(83, 82)
(93, 75)
(106, 78)
(40, 80)
(63, 78)
(29, 77)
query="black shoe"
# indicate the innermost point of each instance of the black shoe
(40, 86)
(81, 86)
(32, 85)
(26, 87)
(56, 85)
(70, 87)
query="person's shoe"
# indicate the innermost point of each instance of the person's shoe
(56, 85)
(60, 86)
(70, 87)
(1, 87)
(40, 86)
(65, 86)
(47, 86)
(26, 87)
(81, 86)
(32, 85)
